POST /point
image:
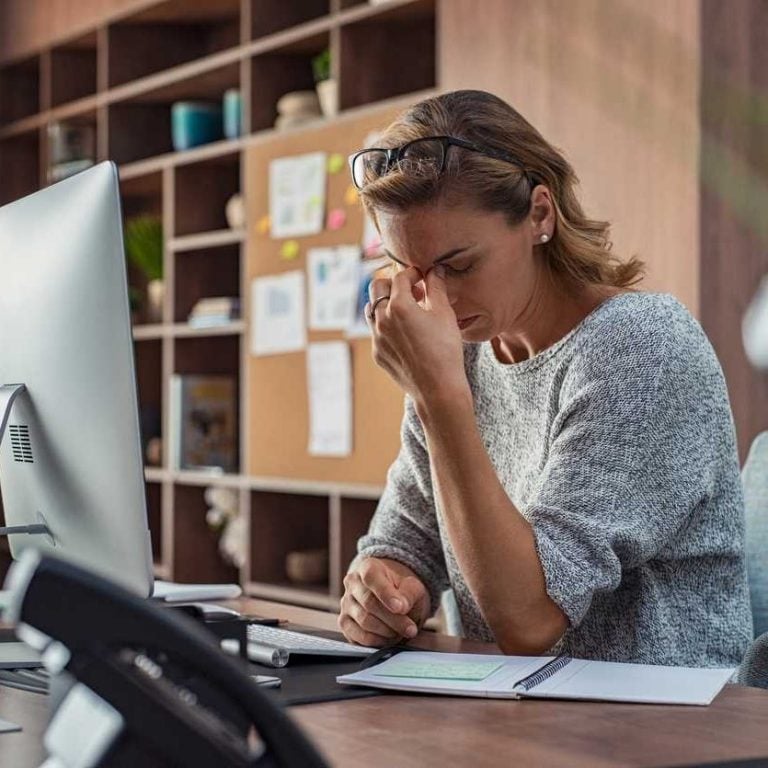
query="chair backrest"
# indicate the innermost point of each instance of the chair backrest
(755, 480)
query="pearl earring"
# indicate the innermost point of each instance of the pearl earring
(544, 238)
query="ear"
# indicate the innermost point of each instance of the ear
(542, 215)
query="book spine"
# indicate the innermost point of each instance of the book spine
(542, 674)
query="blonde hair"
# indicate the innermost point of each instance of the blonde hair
(579, 250)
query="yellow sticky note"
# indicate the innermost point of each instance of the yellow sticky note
(263, 225)
(350, 196)
(289, 250)
(335, 163)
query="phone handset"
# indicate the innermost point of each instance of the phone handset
(152, 688)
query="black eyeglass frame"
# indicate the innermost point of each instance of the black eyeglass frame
(395, 154)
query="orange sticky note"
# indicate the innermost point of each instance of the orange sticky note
(263, 225)
(337, 218)
(350, 196)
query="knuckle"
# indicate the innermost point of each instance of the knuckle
(369, 601)
(367, 569)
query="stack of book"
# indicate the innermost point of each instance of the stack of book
(213, 311)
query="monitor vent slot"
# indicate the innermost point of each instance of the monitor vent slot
(21, 445)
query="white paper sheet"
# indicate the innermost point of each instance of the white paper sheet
(277, 314)
(365, 272)
(333, 282)
(297, 195)
(329, 375)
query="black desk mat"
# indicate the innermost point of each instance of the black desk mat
(312, 679)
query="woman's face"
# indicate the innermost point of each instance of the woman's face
(491, 274)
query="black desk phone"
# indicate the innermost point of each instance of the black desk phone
(152, 689)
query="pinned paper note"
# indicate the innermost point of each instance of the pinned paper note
(289, 250)
(333, 282)
(351, 196)
(297, 195)
(336, 163)
(278, 323)
(366, 271)
(329, 374)
(337, 218)
(263, 225)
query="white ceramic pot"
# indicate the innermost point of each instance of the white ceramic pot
(155, 300)
(235, 211)
(328, 93)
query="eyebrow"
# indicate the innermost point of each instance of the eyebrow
(444, 257)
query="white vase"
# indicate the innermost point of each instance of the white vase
(235, 211)
(328, 93)
(155, 301)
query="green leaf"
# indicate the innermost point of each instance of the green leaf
(321, 65)
(144, 245)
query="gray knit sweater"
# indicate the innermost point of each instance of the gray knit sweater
(617, 445)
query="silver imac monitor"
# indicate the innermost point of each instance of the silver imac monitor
(71, 470)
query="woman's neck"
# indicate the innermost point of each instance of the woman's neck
(552, 315)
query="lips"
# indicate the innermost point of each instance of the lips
(466, 321)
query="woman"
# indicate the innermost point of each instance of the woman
(568, 462)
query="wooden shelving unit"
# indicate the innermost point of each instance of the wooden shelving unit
(122, 78)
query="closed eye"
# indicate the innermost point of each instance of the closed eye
(449, 270)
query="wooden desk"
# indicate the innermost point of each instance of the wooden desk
(396, 730)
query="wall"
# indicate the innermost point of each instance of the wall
(615, 85)
(28, 25)
(734, 192)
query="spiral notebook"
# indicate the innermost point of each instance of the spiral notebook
(547, 677)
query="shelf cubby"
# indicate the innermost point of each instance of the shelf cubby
(201, 193)
(74, 70)
(140, 123)
(282, 523)
(354, 517)
(168, 34)
(205, 273)
(155, 520)
(142, 195)
(217, 355)
(148, 355)
(19, 165)
(276, 15)
(19, 90)
(370, 49)
(196, 556)
(279, 71)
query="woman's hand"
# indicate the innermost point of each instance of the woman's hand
(415, 335)
(383, 602)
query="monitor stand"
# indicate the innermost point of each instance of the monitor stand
(8, 393)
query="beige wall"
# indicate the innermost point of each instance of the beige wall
(28, 25)
(615, 85)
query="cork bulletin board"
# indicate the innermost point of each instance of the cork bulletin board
(277, 399)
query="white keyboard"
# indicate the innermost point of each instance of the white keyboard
(273, 646)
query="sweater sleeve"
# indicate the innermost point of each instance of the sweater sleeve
(404, 526)
(633, 454)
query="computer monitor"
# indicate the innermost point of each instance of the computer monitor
(71, 469)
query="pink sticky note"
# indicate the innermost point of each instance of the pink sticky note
(337, 218)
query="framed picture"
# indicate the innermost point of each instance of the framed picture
(204, 423)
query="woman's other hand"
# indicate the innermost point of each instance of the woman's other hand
(383, 602)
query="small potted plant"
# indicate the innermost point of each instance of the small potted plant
(144, 248)
(326, 86)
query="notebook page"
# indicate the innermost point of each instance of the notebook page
(447, 673)
(640, 683)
